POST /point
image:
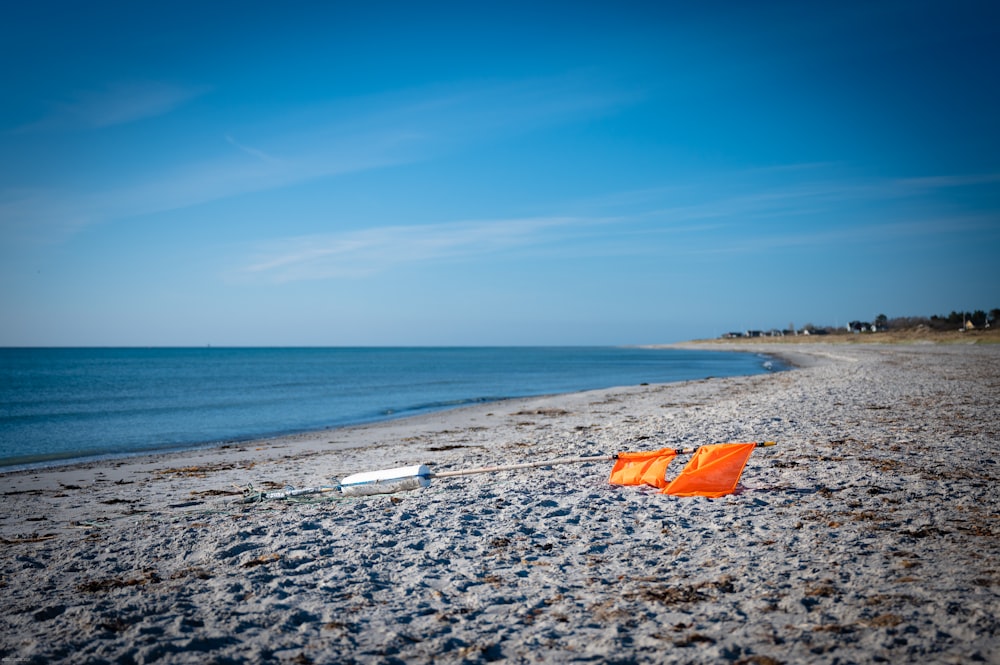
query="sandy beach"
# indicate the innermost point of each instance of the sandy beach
(870, 533)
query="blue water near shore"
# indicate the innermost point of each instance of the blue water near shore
(78, 403)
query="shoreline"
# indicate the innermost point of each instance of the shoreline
(870, 530)
(250, 453)
(56, 461)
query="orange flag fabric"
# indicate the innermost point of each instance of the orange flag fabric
(713, 471)
(649, 468)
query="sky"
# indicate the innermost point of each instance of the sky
(480, 173)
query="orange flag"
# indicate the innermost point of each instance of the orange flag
(713, 471)
(642, 468)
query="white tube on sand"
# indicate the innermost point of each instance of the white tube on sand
(386, 481)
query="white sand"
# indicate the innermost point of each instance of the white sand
(870, 533)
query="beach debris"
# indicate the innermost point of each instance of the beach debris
(148, 576)
(713, 472)
(642, 468)
(261, 560)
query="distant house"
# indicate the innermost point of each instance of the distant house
(860, 326)
(754, 333)
(732, 335)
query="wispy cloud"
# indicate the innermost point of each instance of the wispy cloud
(932, 183)
(115, 104)
(320, 141)
(53, 213)
(852, 198)
(37, 215)
(368, 251)
(892, 235)
(253, 152)
(665, 221)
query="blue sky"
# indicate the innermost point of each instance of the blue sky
(492, 173)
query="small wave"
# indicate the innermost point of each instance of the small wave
(439, 405)
(771, 364)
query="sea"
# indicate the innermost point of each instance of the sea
(60, 405)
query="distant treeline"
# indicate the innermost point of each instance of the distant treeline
(953, 321)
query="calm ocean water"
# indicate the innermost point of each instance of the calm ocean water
(62, 404)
